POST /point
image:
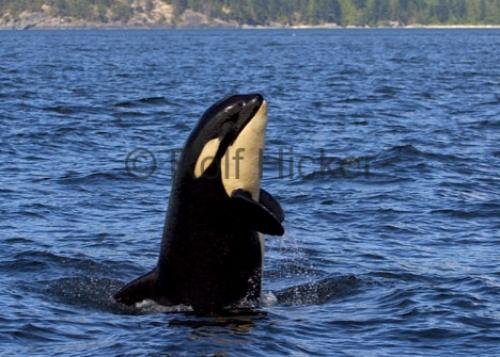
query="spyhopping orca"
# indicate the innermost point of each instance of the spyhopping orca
(212, 249)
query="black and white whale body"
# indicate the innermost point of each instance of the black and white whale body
(212, 251)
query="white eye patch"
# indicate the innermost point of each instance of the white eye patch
(206, 157)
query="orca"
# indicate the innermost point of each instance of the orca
(211, 254)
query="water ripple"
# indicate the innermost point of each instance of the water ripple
(391, 249)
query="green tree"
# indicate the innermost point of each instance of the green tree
(262, 12)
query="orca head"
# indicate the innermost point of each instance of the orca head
(226, 145)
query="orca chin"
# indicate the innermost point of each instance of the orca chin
(211, 254)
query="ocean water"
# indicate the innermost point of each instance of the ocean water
(383, 148)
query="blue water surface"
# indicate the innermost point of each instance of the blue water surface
(382, 146)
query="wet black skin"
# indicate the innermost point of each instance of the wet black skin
(210, 255)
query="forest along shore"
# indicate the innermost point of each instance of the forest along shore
(24, 14)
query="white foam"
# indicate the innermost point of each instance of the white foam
(150, 306)
(268, 299)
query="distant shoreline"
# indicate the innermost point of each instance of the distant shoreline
(245, 27)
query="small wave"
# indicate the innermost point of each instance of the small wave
(352, 71)
(403, 276)
(31, 214)
(431, 333)
(73, 177)
(237, 320)
(397, 152)
(34, 333)
(402, 153)
(34, 158)
(387, 91)
(405, 149)
(129, 114)
(350, 100)
(374, 167)
(272, 44)
(142, 101)
(61, 109)
(317, 292)
(71, 109)
(24, 262)
(465, 214)
(485, 124)
(18, 240)
(22, 265)
(493, 101)
(66, 130)
(89, 292)
(6, 191)
(343, 173)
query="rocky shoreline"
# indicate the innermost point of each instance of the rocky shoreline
(164, 18)
(161, 16)
(121, 26)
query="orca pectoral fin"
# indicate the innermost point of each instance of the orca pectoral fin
(268, 201)
(257, 215)
(138, 290)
